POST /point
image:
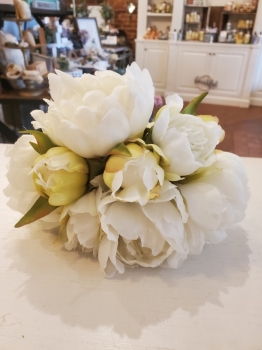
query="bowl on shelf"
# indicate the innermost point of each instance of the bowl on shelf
(32, 88)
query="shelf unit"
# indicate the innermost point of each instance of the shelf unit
(174, 65)
(4, 8)
(146, 18)
(155, 14)
(19, 22)
(153, 53)
(191, 11)
(248, 19)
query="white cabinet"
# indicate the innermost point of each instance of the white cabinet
(223, 65)
(256, 95)
(174, 66)
(226, 65)
(227, 68)
(185, 64)
(153, 55)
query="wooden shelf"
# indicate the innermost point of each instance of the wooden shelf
(18, 48)
(14, 19)
(201, 21)
(239, 28)
(156, 14)
(35, 11)
(50, 13)
(14, 95)
(203, 7)
(239, 13)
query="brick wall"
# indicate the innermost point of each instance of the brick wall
(122, 20)
(67, 3)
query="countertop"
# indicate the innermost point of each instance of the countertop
(51, 299)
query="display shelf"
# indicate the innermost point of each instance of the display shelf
(235, 19)
(160, 21)
(241, 28)
(196, 6)
(17, 20)
(238, 13)
(18, 48)
(36, 12)
(155, 14)
(36, 46)
(200, 16)
(170, 62)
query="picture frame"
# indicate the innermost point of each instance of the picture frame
(89, 33)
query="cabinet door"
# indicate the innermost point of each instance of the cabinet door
(256, 93)
(155, 60)
(191, 63)
(257, 86)
(228, 69)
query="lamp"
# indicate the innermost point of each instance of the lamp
(131, 8)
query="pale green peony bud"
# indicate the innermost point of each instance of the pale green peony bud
(60, 175)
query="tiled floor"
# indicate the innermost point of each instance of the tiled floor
(243, 127)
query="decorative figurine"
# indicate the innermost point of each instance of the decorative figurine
(164, 35)
(153, 7)
(168, 8)
(151, 33)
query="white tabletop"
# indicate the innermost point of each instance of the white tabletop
(54, 299)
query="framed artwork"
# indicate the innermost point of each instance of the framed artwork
(45, 4)
(89, 33)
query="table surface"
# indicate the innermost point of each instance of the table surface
(13, 95)
(54, 299)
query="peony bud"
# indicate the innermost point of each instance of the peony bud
(60, 175)
(134, 177)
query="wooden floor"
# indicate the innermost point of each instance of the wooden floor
(243, 127)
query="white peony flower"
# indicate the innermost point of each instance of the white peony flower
(136, 178)
(60, 175)
(216, 199)
(82, 222)
(195, 237)
(21, 190)
(188, 141)
(136, 235)
(92, 114)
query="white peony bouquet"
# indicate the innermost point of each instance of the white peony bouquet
(131, 192)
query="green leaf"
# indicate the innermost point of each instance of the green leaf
(44, 143)
(35, 146)
(96, 167)
(192, 106)
(148, 136)
(121, 149)
(40, 209)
